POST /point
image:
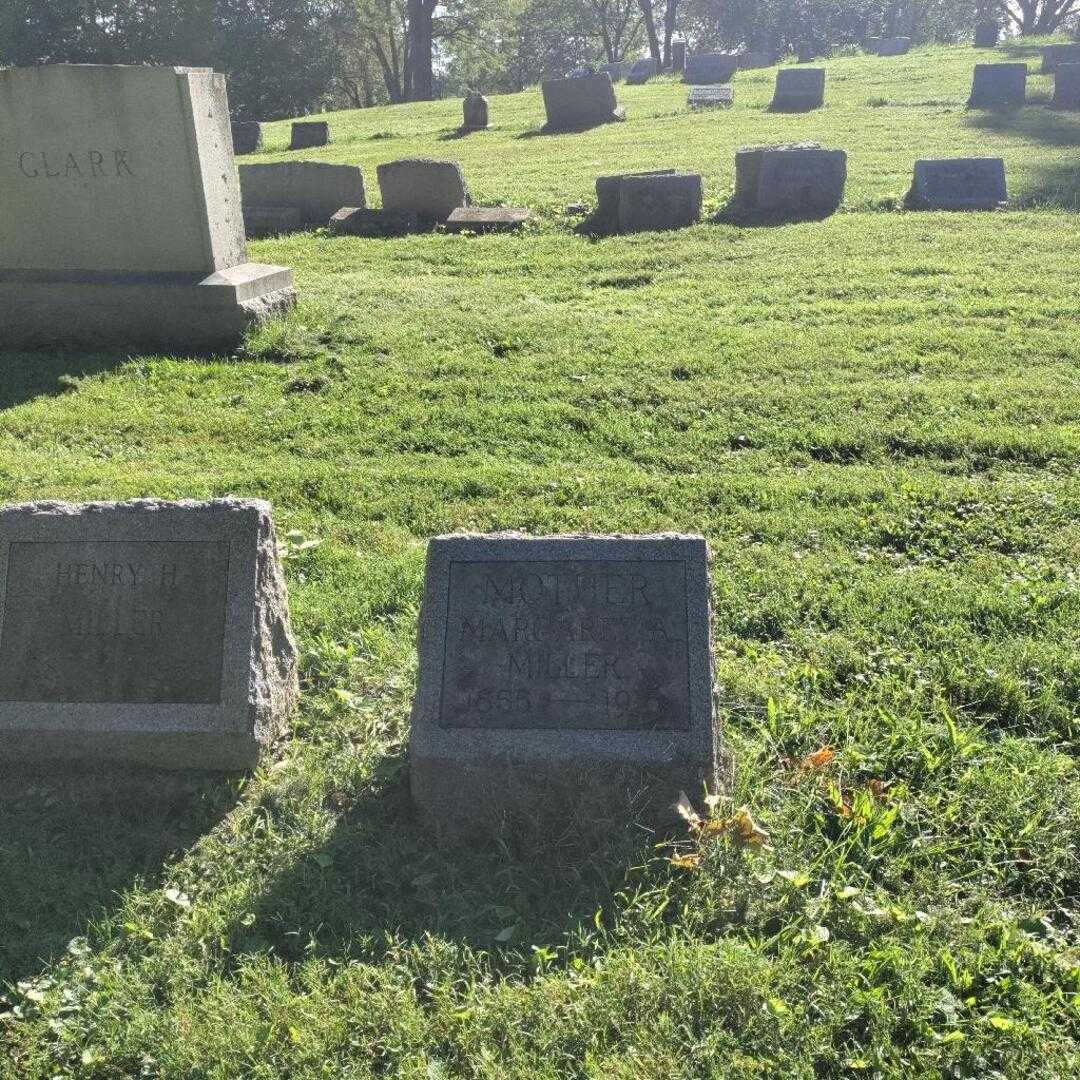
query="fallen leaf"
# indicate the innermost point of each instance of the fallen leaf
(818, 759)
(690, 861)
(686, 811)
(747, 830)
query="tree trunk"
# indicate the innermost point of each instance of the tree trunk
(650, 32)
(421, 73)
(669, 29)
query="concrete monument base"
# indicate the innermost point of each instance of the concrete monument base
(170, 312)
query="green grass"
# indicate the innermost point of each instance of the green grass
(875, 421)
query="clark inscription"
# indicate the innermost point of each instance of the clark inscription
(114, 622)
(567, 645)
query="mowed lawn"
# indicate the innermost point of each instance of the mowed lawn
(874, 420)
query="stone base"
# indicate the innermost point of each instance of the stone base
(175, 313)
(617, 116)
(165, 750)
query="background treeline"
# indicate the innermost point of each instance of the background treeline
(289, 57)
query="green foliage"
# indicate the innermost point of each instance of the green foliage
(873, 420)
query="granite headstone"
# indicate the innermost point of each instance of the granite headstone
(799, 89)
(659, 202)
(893, 46)
(565, 677)
(1053, 55)
(678, 56)
(793, 179)
(1066, 87)
(998, 86)
(474, 112)
(247, 136)
(710, 69)
(641, 71)
(579, 103)
(987, 34)
(307, 134)
(316, 189)
(147, 631)
(958, 184)
(429, 189)
(704, 97)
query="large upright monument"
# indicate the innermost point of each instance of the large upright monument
(120, 213)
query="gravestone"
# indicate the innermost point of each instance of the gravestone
(872, 45)
(1053, 55)
(678, 56)
(475, 112)
(309, 133)
(429, 189)
(608, 196)
(1066, 87)
(710, 69)
(562, 677)
(579, 103)
(893, 46)
(619, 70)
(659, 202)
(998, 86)
(247, 136)
(272, 220)
(641, 72)
(484, 219)
(958, 184)
(755, 59)
(987, 34)
(793, 179)
(362, 221)
(704, 97)
(806, 54)
(121, 224)
(799, 89)
(316, 190)
(147, 631)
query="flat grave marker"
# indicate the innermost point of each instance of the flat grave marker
(959, 184)
(708, 97)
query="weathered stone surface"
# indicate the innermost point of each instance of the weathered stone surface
(309, 133)
(799, 89)
(316, 189)
(1053, 55)
(247, 136)
(998, 86)
(475, 112)
(704, 97)
(429, 189)
(122, 222)
(665, 201)
(959, 184)
(358, 221)
(710, 69)
(545, 661)
(797, 179)
(608, 196)
(488, 219)
(272, 220)
(147, 632)
(678, 56)
(894, 46)
(579, 103)
(987, 34)
(641, 72)
(1066, 87)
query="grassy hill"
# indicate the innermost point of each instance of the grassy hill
(875, 421)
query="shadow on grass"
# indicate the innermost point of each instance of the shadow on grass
(385, 875)
(25, 376)
(1049, 127)
(738, 214)
(71, 840)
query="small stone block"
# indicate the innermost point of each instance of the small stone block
(998, 86)
(309, 133)
(799, 89)
(247, 136)
(665, 201)
(1053, 55)
(707, 97)
(474, 109)
(147, 632)
(488, 219)
(316, 189)
(959, 184)
(710, 69)
(1066, 87)
(429, 189)
(359, 221)
(579, 103)
(562, 678)
(797, 179)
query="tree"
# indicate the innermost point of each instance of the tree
(619, 25)
(1040, 16)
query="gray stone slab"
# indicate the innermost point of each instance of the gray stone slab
(998, 86)
(618, 71)
(707, 97)
(122, 220)
(608, 195)
(794, 179)
(429, 189)
(641, 71)
(1053, 55)
(710, 69)
(316, 189)
(247, 136)
(799, 89)
(474, 108)
(665, 201)
(987, 34)
(481, 219)
(358, 221)
(1066, 87)
(892, 46)
(578, 103)
(147, 632)
(309, 133)
(561, 668)
(756, 58)
(959, 184)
